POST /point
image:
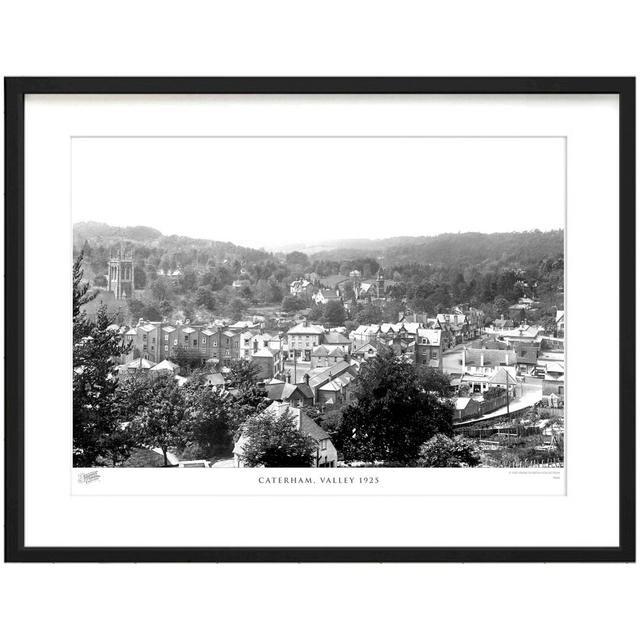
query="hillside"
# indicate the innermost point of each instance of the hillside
(451, 249)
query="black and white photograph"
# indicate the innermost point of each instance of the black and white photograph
(318, 301)
(334, 308)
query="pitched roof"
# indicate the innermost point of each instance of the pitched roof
(263, 353)
(214, 378)
(432, 336)
(312, 428)
(311, 329)
(320, 350)
(165, 365)
(140, 363)
(502, 376)
(364, 348)
(333, 337)
(490, 357)
(461, 403)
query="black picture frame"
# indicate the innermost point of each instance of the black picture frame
(15, 91)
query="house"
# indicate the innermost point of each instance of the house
(269, 362)
(336, 339)
(428, 348)
(553, 385)
(166, 367)
(560, 324)
(365, 352)
(302, 288)
(500, 324)
(297, 395)
(466, 409)
(479, 366)
(325, 453)
(455, 326)
(364, 333)
(325, 295)
(326, 355)
(526, 355)
(331, 385)
(522, 333)
(239, 284)
(215, 380)
(137, 366)
(303, 338)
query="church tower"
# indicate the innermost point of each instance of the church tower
(120, 276)
(380, 283)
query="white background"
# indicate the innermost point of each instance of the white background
(586, 516)
(334, 38)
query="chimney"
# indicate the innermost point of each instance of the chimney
(506, 356)
(306, 378)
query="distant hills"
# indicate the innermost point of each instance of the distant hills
(105, 235)
(445, 249)
(453, 248)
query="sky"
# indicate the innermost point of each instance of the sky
(284, 192)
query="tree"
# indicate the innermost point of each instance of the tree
(210, 423)
(292, 303)
(139, 277)
(275, 442)
(443, 451)
(334, 312)
(98, 437)
(248, 397)
(243, 374)
(163, 421)
(369, 314)
(397, 406)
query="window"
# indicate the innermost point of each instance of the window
(175, 342)
(195, 342)
(153, 340)
(204, 341)
(144, 336)
(215, 342)
(166, 337)
(323, 445)
(186, 339)
(166, 347)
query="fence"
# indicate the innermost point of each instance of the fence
(547, 412)
(555, 463)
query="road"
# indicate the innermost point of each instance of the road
(300, 370)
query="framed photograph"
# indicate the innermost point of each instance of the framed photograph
(320, 319)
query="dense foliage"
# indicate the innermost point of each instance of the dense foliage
(396, 407)
(275, 442)
(443, 451)
(423, 274)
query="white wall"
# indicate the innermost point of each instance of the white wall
(331, 38)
